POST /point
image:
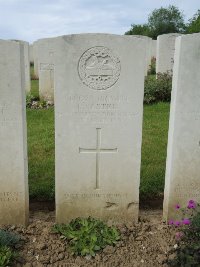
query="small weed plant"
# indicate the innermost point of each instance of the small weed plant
(188, 236)
(7, 256)
(88, 236)
(7, 241)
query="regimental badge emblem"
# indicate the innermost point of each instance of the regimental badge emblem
(99, 68)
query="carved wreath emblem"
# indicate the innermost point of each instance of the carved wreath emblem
(99, 68)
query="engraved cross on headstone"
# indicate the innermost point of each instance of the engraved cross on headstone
(98, 150)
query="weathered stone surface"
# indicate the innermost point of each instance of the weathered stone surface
(31, 54)
(13, 142)
(182, 181)
(27, 64)
(35, 58)
(148, 45)
(98, 122)
(153, 48)
(165, 52)
(46, 48)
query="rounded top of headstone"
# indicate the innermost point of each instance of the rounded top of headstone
(169, 35)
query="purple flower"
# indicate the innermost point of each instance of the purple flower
(177, 223)
(191, 204)
(191, 201)
(171, 222)
(177, 206)
(186, 221)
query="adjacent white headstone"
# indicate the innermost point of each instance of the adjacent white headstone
(153, 48)
(13, 141)
(183, 156)
(148, 44)
(31, 54)
(165, 52)
(45, 48)
(27, 65)
(35, 57)
(98, 122)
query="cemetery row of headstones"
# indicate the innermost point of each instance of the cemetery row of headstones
(42, 51)
(99, 87)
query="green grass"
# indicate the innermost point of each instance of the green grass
(32, 70)
(41, 150)
(34, 88)
(34, 84)
(154, 148)
(41, 153)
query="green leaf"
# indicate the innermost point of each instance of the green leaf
(88, 235)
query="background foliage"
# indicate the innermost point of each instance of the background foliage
(166, 20)
(194, 23)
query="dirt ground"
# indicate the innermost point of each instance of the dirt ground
(144, 244)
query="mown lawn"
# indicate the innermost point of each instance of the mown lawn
(41, 150)
(154, 148)
(41, 153)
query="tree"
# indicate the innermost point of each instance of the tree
(194, 23)
(166, 20)
(160, 21)
(140, 29)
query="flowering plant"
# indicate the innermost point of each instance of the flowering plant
(188, 236)
(186, 214)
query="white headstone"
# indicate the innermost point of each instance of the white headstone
(165, 52)
(148, 42)
(182, 181)
(35, 57)
(46, 68)
(153, 48)
(98, 122)
(27, 65)
(13, 141)
(31, 54)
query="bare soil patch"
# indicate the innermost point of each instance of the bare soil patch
(147, 243)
